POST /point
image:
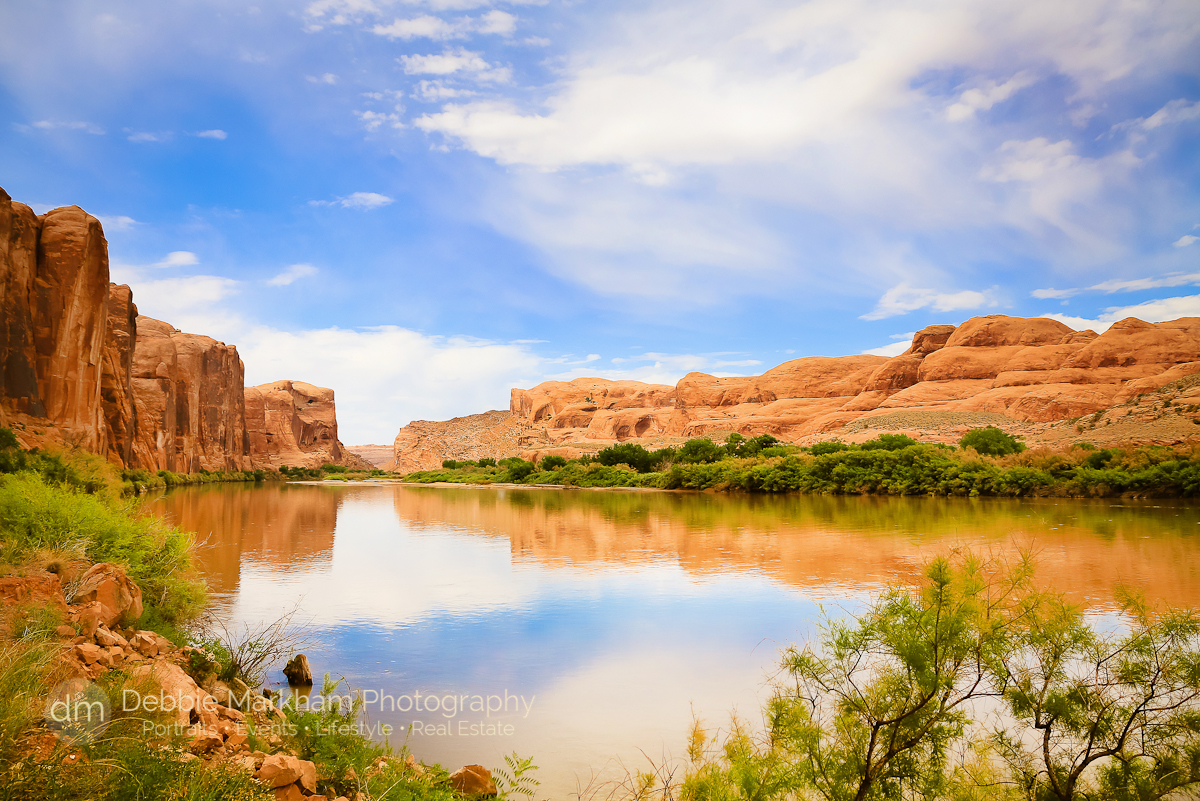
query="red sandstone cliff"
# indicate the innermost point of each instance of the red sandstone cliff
(989, 369)
(292, 423)
(79, 366)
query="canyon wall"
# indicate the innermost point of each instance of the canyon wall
(79, 367)
(987, 370)
(295, 424)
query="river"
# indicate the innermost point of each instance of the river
(606, 620)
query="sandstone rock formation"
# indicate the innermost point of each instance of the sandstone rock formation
(292, 423)
(78, 366)
(423, 445)
(118, 596)
(994, 368)
(54, 305)
(188, 390)
(375, 455)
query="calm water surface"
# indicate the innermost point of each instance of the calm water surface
(617, 615)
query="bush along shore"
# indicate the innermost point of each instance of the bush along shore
(112, 687)
(976, 685)
(986, 462)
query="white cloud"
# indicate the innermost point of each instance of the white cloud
(1176, 111)
(497, 22)
(356, 200)
(896, 348)
(430, 27)
(1152, 311)
(385, 377)
(987, 95)
(328, 78)
(455, 62)
(215, 133)
(637, 241)
(50, 125)
(289, 276)
(1123, 285)
(146, 136)
(1055, 294)
(374, 120)
(436, 91)
(118, 223)
(902, 299)
(1184, 241)
(536, 41)
(178, 258)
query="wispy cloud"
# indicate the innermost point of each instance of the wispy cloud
(903, 343)
(178, 258)
(458, 61)
(328, 78)
(215, 133)
(1185, 240)
(291, 274)
(52, 125)
(1152, 311)
(437, 28)
(903, 298)
(987, 95)
(1124, 285)
(117, 223)
(146, 136)
(357, 200)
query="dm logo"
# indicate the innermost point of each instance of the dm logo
(78, 710)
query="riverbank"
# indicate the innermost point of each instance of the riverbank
(113, 687)
(887, 465)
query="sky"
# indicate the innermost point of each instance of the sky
(424, 203)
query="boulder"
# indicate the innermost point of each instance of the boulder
(119, 597)
(280, 770)
(177, 693)
(473, 780)
(298, 672)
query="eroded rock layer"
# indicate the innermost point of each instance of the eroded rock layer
(292, 423)
(1027, 370)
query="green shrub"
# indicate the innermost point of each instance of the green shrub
(699, 451)
(552, 462)
(888, 442)
(991, 441)
(628, 453)
(486, 462)
(824, 448)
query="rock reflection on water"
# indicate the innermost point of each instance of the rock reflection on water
(620, 613)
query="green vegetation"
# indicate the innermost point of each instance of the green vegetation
(898, 703)
(57, 513)
(991, 441)
(891, 464)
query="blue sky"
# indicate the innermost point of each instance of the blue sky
(423, 203)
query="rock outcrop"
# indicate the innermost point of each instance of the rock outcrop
(1031, 370)
(189, 394)
(292, 423)
(423, 445)
(78, 366)
(54, 304)
(375, 455)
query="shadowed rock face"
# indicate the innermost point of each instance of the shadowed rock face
(1034, 370)
(292, 423)
(54, 305)
(189, 399)
(78, 365)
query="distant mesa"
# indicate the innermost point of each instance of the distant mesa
(79, 366)
(1031, 375)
